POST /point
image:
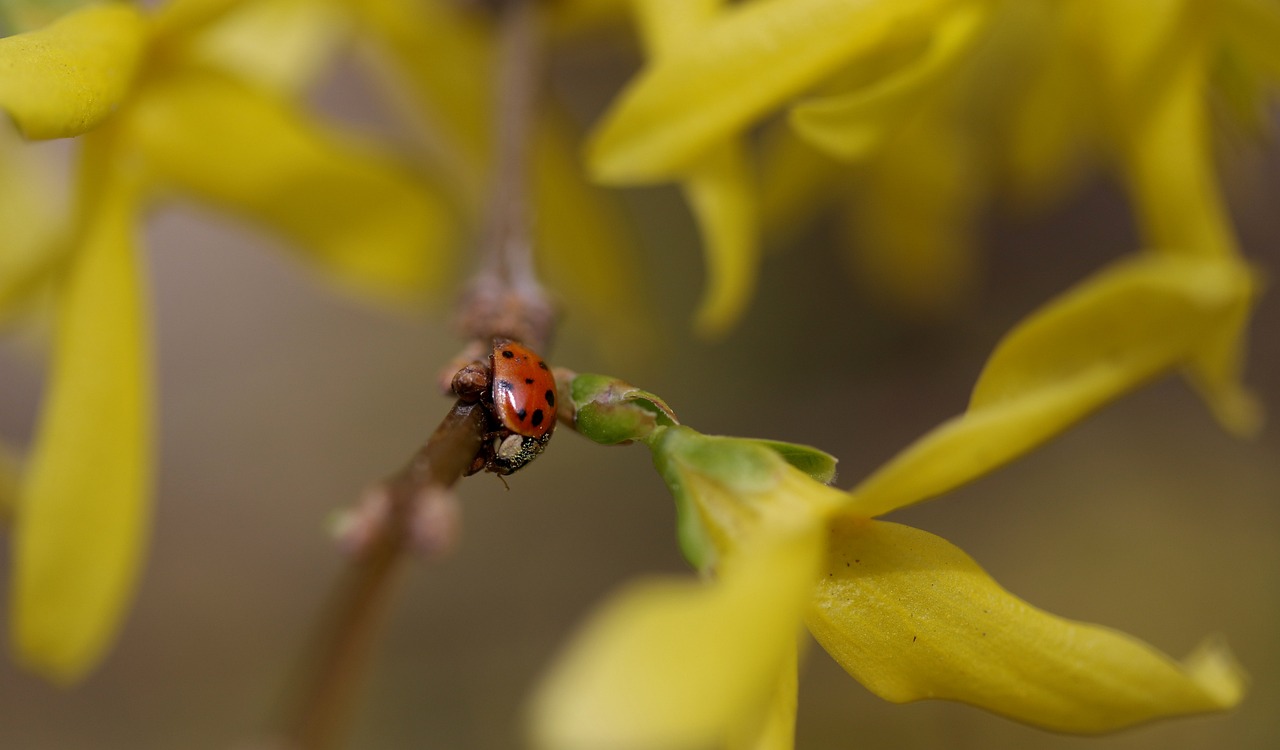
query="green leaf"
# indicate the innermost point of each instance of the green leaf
(818, 464)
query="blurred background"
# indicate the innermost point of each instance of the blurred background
(280, 400)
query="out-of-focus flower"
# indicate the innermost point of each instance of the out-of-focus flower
(34, 238)
(674, 663)
(157, 115)
(909, 116)
(430, 55)
(719, 186)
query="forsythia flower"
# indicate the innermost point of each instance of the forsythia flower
(158, 114)
(685, 664)
(430, 54)
(934, 101)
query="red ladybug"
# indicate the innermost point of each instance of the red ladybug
(521, 397)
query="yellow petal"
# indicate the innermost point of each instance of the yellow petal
(1097, 342)
(913, 220)
(798, 183)
(362, 218)
(184, 18)
(1254, 25)
(573, 17)
(1182, 212)
(281, 44)
(776, 729)
(855, 124)
(587, 251)
(720, 187)
(437, 54)
(10, 474)
(34, 239)
(750, 60)
(1131, 39)
(82, 522)
(65, 79)
(680, 664)
(1170, 163)
(667, 25)
(910, 616)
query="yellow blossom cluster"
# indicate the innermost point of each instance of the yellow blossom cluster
(903, 115)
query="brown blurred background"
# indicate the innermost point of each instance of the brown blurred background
(279, 400)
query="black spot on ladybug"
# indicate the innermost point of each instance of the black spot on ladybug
(537, 417)
(507, 354)
(551, 399)
(504, 385)
(542, 364)
(521, 414)
(528, 381)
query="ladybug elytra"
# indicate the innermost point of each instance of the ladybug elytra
(521, 398)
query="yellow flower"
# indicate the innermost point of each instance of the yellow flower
(430, 54)
(674, 663)
(157, 116)
(935, 102)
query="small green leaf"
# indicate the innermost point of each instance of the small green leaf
(819, 465)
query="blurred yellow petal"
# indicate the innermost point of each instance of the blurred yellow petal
(911, 616)
(1055, 115)
(183, 18)
(1182, 212)
(667, 25)
(855, 124)
(1254, 25)
(82, 522)
(720, 187)
(797, 184)
(776, 727)
(65, 79)
(1217, 368)
(1131, 39)
(1169, 155)
(1092, 345)
(571, 17)
(748, 61)
(588, 251)
(281, 44)
(360, 216)
(34, 242)
(682, 664)
(913, 220)
(422, 47)
(10, 478)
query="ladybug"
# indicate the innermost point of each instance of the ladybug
(521, 399)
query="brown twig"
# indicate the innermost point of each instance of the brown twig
(416, 507)
(506, 298)
(389, 521)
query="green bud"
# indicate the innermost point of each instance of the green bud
(610, 411)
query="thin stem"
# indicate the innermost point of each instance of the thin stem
(415, 506)
(505, 297)
(355, 613)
